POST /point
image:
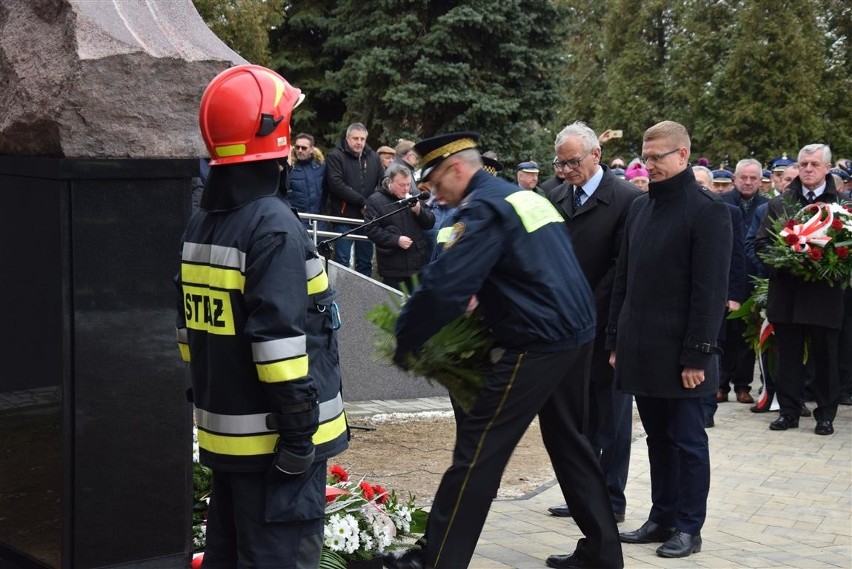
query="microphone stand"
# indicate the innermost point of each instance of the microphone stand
(324, 246)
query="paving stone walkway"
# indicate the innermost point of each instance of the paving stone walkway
(777, 499)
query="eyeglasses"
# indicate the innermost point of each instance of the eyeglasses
(658, 157)
(570, 163)
(297, 147)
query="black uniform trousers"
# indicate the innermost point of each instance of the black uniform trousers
(822, 350)
(518, 386)
(610, 424)
(254, 524)
(679, 457)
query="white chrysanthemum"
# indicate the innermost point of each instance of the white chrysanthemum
(366, 541)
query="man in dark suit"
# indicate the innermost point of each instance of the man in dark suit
(594, 204)
(738, 357)
(800, 309)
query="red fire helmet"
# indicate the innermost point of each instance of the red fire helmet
(245, 115)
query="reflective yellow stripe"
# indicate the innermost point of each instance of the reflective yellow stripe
(237, 446)
(230, 150)
(318, 284)
(331, 430)
(214, 277)
(444, 234)
(535, 211)
(184, 352)
(286, 370)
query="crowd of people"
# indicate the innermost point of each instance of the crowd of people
(604, 285)
(621, 248)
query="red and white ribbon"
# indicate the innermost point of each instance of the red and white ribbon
(812, 231)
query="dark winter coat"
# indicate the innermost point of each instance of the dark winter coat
(306, 185)
(670, 289)
(597, 230)
(351, 179)
(733, 197)
(393, 261)
(791, 299)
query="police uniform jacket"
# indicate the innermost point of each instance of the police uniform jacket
(508, 247)
(392, 260)
(351, 179)
(253, 322)
(792, 299)
(670, 289)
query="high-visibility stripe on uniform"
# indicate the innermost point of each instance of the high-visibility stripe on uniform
(237, 446)
(213, 277)
(280, 349)
(329, 431)
(256, 422)
(534, 210)
(317, 277)
(183, 344)
(287, 370)
(217, 255)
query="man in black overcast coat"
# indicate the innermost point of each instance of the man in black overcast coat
(667, 306)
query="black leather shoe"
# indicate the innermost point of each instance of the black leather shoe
(648, 533)
(681, 544)
(411, 559)
(783, 423)
(824, 428)
(845, 399)
(804, 411)
(560, 511)
(709, 421)
(564, 561)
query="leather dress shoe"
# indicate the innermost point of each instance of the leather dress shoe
(560, 511)
(681, 544)
(411, 559)
(648, 533)
(804, 411)
(744, 397)
(709, 421)
(845, 399)
(567, 561)
(783, 423)
(721, 396)
(824, 427)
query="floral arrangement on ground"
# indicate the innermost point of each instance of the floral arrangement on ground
(814, 244)
(363, 521)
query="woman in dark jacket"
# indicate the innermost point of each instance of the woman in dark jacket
(402, 247)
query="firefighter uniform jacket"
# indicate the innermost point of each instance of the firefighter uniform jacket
(254, 322)
(508, 247)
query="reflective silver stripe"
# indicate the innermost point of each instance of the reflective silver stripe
(215, 255)
(280, 349)
(231, 424)
(331, 408)
(181, 335)
(313, 268)
(256, 423)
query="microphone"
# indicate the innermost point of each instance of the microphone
(411, 200)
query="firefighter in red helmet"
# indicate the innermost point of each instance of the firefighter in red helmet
(253, 304)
